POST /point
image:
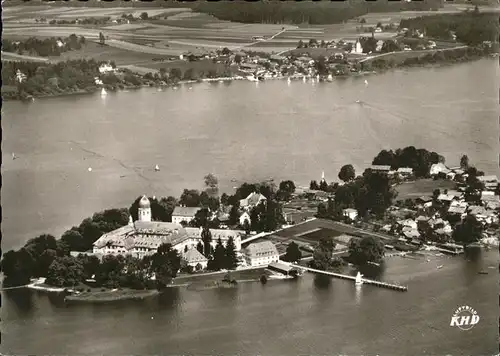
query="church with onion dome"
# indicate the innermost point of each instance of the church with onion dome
(143, 237)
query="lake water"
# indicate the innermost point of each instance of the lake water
(247, 131)
(240, 130)
(304, 317)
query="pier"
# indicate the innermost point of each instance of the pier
(397, 287)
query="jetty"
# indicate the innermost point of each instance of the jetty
(396, 287)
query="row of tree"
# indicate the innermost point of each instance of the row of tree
(305, 11)
(116, 271)
(44, 48)
(471, 28)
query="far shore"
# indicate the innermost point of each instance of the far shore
(240, 77)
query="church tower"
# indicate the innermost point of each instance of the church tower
(144, 209)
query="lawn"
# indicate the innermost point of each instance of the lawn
(242, 275)
(317, 235)
(412, 190)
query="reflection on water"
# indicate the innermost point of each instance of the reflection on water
(322, 282)
(358, 293)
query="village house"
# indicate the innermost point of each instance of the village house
(490, 182)
(20, 76)
(380, 168)
(446, 198)
(252, 200)
(106, 68)
(260, 254)
(183, 213)
(350, 213)
(424, 201)
(194, 234)
(245, 217)
(404, 172)
(438, 168)
(193, 258)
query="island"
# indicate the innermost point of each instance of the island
(408, 200)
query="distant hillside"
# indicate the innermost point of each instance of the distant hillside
(270, 11)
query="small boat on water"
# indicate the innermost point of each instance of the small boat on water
(358, 102)
(289, 80)
(13, 156)
(304, 78)
(104, 92)
(359, 279)
(366, 82)
(157, 168)
(440, 266)
(483, 272)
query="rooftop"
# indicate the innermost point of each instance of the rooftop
(185, 211)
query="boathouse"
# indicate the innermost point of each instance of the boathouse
(281, 268)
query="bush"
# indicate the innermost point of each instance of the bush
(88, 290)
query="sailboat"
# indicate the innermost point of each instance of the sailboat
(104, 92)
(330, 77)
(366, 82)
(289, 80)
(157, 168)
(359, 279)
(304, 78)
(13, 156)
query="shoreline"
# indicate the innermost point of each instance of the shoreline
(378, 71)
(111, 296)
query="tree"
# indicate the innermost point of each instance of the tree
(17, 266)
(206, 237)
(286, 189)
(199, 247)
(464, 162)
(219, 255)
(247, 227)
(231, 261)
(175, 74)
(211, 181)
(144, 16)
(224, 199)
(190, 198)
(237, 58)
(322, 255)
(65, 271)
(323, 185)
(234, 213)
(166, 262)
(102, 40)
(389, 46)
(314, 185)
(300, 44)
(468, 231)
(347, 173)
(201, 218)
(366, 249)
(293, 253)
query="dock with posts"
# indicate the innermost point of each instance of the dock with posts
(392, 286)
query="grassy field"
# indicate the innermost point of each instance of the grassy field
(412, 190)
(217, 277)
(110, 295)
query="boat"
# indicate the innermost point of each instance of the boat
(289, 80)
(104, 92)
(358, 102)
(440, 266)
(483, 272)
(330, 78)
(366, 82)
(359, 279)
(252, 78)
(14, 156)
(157, 168)
(304, 78)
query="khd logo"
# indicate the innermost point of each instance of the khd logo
(464, 318)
